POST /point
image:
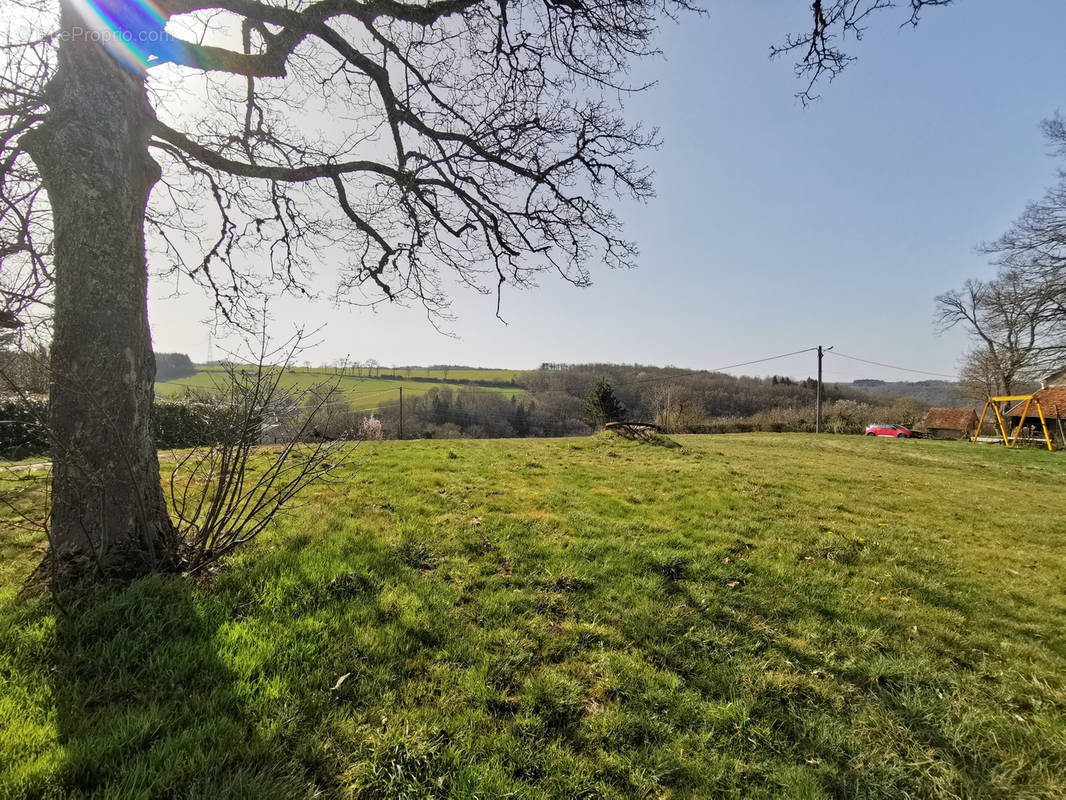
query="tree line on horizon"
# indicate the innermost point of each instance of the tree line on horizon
(555, 396)
(707, 402)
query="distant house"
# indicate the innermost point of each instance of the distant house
(1052, 403)
(1052, 399)
(950, 423)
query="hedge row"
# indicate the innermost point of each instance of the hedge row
(23, 433)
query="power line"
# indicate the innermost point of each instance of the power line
(348, 396)
(718, 369)
(893, 366)
(626, 383)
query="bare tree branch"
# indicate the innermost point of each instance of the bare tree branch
(833, 22)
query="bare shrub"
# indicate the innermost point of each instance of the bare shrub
(449, 430)
(226, 493)
(840, 416)
(847, 416)
(250, 449)
(371, 430)
(677, 408)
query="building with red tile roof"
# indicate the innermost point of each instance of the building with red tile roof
(1052, 399)
(950, 423)
(1052, 403)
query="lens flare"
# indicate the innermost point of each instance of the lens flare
(132, 31)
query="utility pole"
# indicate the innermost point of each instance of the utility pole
(818, 390)
(401, 412)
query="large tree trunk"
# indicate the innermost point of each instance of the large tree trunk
(109, 519)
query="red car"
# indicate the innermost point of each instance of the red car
(899, 431)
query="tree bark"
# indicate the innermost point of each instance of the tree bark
(109, 519)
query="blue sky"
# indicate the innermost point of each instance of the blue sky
(776, 227)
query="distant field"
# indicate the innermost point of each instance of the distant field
(364, 393)
(757, 616)
(494, 375)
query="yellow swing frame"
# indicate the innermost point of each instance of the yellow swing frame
(1013, 398)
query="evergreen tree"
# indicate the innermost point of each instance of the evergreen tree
(170, 366)
(601, 405)
(441, 407)
(519, 418)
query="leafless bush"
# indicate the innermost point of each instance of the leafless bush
(23, 369)
(227, 488)
(449, 430)
(841, 417)
(226, 493)
(677, 408)
(370, 430)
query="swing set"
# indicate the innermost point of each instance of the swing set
(1030, 400)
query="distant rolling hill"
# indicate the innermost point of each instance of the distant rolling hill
(363, 391)
(941, 394)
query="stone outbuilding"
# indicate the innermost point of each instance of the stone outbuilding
(950, 423)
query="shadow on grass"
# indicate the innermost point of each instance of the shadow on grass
(146, 707)
(811, 695)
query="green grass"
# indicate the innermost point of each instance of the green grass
(363, 392)
(763, 616)
(473, 374)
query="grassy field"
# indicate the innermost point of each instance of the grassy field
(763, 616)
(473, 374)
(365, 393)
